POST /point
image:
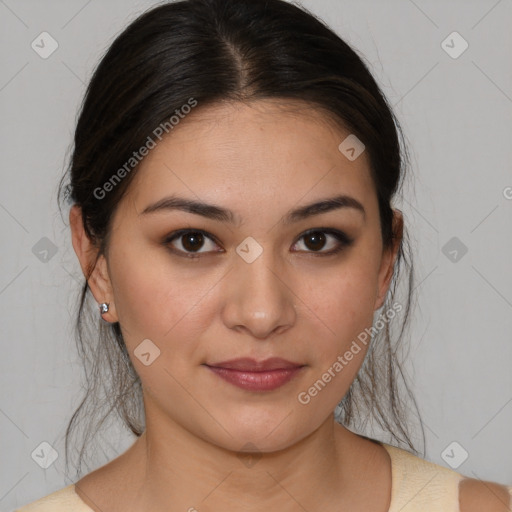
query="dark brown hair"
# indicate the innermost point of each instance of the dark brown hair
(215, 51)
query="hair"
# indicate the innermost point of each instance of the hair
(217, 51)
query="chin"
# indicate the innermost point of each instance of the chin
(266, 434)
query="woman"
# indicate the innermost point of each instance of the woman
(232, 182)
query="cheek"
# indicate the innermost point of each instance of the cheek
(147, 295)
(155, 301)
(344, 304)
(341, 315)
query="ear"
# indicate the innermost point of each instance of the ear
(96, 272)
(389, 256)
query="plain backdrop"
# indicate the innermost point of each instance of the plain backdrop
(456, 111)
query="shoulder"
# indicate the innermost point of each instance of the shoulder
(421, 485)
(476, 495)
(63, 500)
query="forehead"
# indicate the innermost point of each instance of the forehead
(266, 148)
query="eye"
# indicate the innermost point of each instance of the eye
(315, 240)
(191, 241)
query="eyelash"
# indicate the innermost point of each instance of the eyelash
(342, 238)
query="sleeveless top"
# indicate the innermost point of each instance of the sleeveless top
(417, 486)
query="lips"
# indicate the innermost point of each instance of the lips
(253, 375)
(251, 365)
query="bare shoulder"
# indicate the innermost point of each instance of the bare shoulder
(477, 495)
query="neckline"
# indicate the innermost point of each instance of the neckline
(83, 505)
(393, 470)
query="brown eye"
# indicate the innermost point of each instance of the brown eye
(314, 240)
(192, 241)
(189, 242)
(317, 239)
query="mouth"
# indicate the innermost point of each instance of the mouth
(251, 365)
(253, 375)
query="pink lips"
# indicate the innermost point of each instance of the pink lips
(256, 375)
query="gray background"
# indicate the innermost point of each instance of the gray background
(457, 116)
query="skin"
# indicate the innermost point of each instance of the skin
(260, 161)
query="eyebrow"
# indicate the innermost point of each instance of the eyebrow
(220, 214)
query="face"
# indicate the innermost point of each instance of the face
(191, 291)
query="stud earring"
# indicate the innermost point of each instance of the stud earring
(103, 308)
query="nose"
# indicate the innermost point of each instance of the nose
(259, 300)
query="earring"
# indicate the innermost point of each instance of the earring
(103, 308)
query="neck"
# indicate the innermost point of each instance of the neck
(173, 466)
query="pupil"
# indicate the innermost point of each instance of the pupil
(192, 241)
(318, 239)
